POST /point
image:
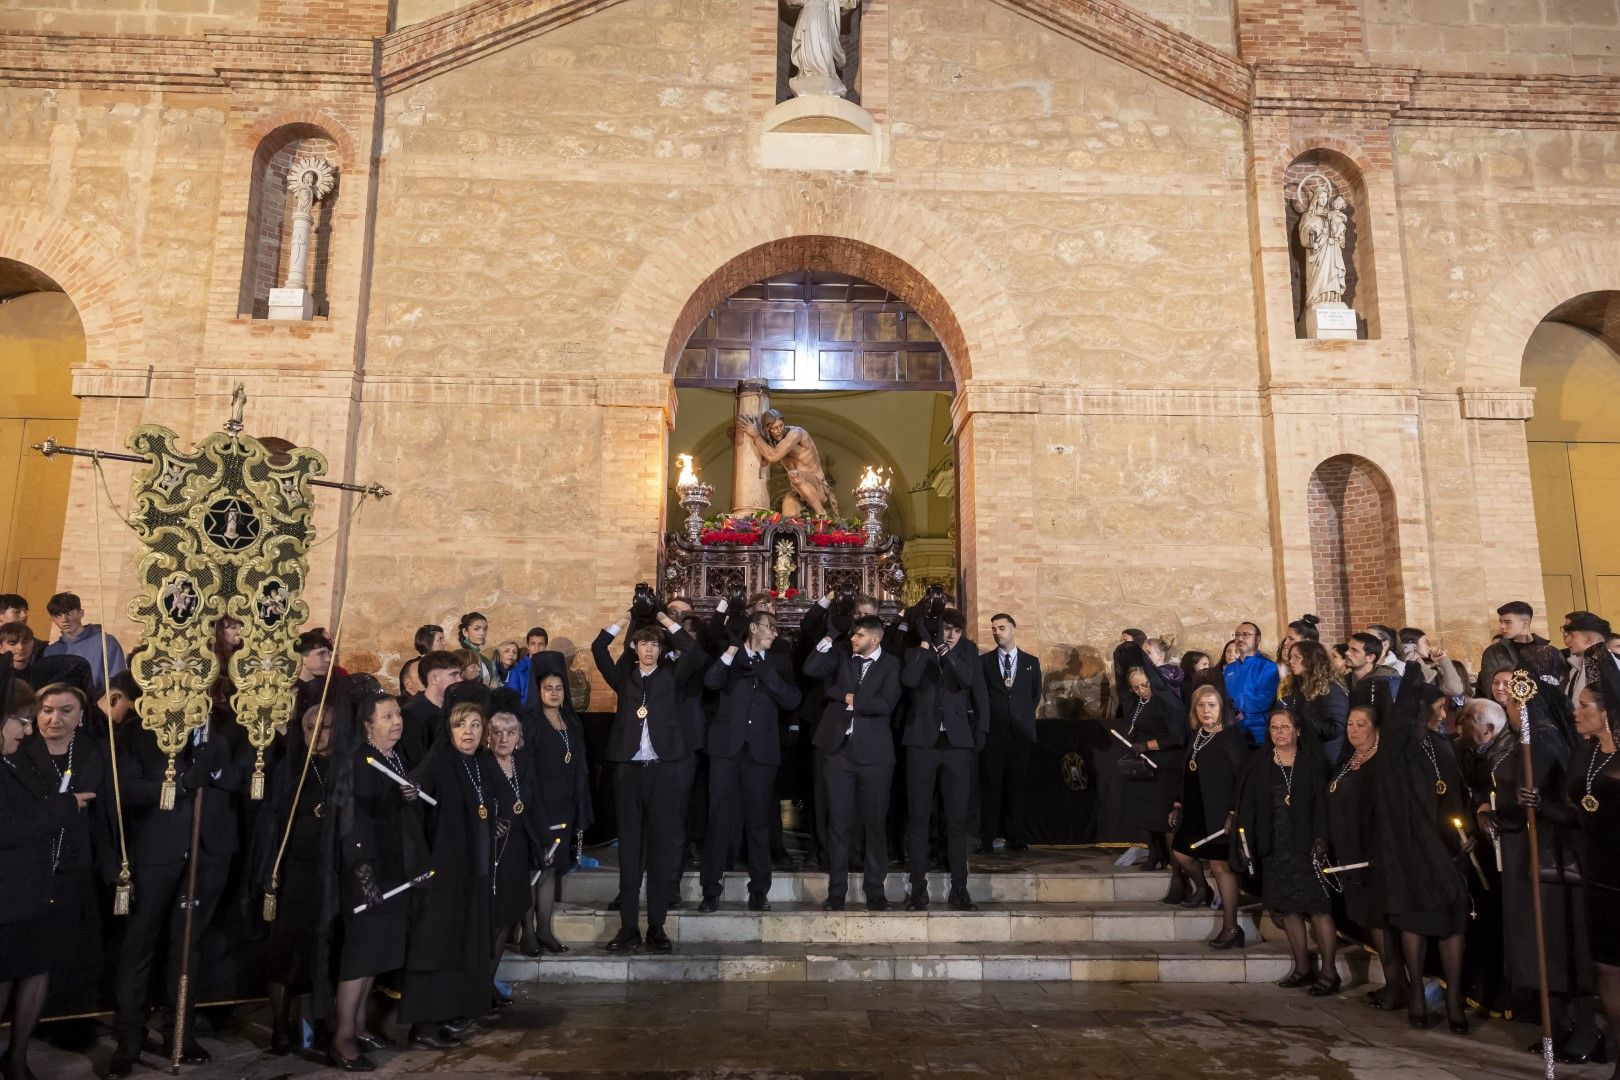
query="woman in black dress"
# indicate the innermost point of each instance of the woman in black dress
(1352, 800)
(1420, 846)
(1209, 772)
(518, 830)
(1316, 698)
(298, 795)
(447, 962)
(1594, 792)
(379, 845)
(563, 786)
(71, 759)
(35, 818)
(1282, 824)
(1156, 730)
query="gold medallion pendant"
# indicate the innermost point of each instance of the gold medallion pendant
(320, 809)
(1288, 800)
(1192, 766)
(517, 807)
(483, 812)
(1589, 803)
(1009, 683)
(1439, 787)
(1333, 787)
(641, 713)
(568, 757)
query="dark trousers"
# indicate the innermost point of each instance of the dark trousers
(157, 920)
(949, 769)
(686, 771)
(646, 799)
(857, 804)
(741, 796)
(1003, 766)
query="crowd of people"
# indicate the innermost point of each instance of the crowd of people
(1369, 789)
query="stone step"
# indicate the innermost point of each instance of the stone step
(1000, 887)
(806, 923)
(1090, 961)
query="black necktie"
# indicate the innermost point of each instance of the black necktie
(1006, 666)
(866, 662)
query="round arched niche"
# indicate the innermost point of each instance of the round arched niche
(1361, 281)
(833, 253)
(1355, 547)
(267, 240)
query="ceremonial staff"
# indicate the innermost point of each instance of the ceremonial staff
(1523, 689)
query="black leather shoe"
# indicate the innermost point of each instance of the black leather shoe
(1458, 1027)
(1296, 979)
(757, 902)
(1385, 999)
(613, 904)
(428, 1037)
(1324, 987)
(709, 906)
(959, 900)
(833, 903)
(676, 903)
(553, 947)
(191, 1055)
(120, 1066)
(658, 941)
(1199, 898)
(280, 1043)
(358, 1063)
(627, 939)
(460, 1028)
(1017, 848)
(1224, 940)
(984, 849)
(917, 902)
(877, 903)
(498, 1000)
(367, 1041)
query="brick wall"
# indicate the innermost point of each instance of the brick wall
(1298, 29)
(1355, 554)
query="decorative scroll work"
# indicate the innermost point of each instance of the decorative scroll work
(227, 532)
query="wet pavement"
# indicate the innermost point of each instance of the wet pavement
(835, 1030)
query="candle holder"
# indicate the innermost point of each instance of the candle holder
(872, 499)
(695, 496)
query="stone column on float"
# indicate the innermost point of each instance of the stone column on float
(750, 473)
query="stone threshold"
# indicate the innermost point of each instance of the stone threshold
(1006, 887)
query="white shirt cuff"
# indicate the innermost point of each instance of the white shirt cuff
(824, 644)
(613, 631)
(727, 657)
(721, 606)
(825, 601)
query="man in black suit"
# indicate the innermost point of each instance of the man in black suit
(744, 752)
(647, 745)
(1013, 679)
(215, 763)
(949, 713)
(862, 686)
(423, 715)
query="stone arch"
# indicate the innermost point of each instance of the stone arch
(887, 240)
(87, 269)
(1355, 546)
(1525, 292)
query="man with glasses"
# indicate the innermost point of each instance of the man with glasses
(1251, 682)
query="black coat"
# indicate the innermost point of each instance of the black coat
(669, 693)
(1013, 708)
(378, 826)
(1323, 717)
(1308, 809)
(90, 844)
(450, 916)
(949, 694)
(159, 836)
(423, 726)
(563, 787)
(31, 814)
(1220, 765)
(755, 695)
(876, 697)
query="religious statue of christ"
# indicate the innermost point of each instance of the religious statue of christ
(792, 447)
(817, 51)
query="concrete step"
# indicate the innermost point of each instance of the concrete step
(595, 887)
(1090, 961)
(806, 923)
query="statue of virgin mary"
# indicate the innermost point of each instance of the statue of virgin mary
(817, 51)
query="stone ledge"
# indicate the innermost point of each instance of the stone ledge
(1516, 404)
(111, 382)
(821, 132)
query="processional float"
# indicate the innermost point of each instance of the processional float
(226, 530)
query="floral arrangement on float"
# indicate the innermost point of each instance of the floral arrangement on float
(746, 530)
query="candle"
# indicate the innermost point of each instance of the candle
(1457, 824)
(1346, 867)
(400, 780)
(397, 889)
(1127, 742)
(1217, 834)
(1496, 835)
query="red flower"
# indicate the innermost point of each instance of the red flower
(791, 593)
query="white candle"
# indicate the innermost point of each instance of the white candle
(1345, 867)
(1127, 742)
(400, 780)
(1216, 835)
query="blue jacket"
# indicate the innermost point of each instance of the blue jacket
(87, 646)
(518, 678)
(1251, 683)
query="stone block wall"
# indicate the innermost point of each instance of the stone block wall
(1547, 37)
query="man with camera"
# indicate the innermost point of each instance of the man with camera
(861, 683)
(649, 746)
(949, 714)
(744, 746)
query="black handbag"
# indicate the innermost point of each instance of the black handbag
(1132, 767)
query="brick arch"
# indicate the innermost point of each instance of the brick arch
(1526, 292)
(87, 269)
(1355, 546)
(309, 121)
(885, 239)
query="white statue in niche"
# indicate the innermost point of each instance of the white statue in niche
(1321, 231)
(308, 181)
(818, 52)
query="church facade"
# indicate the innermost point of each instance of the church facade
(1095, 205)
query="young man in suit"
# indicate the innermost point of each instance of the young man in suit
(949, 712)
(745, 748)
(647, 745)
(862, 685)
(1012, 678)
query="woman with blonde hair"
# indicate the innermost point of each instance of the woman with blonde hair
(1210, 766)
